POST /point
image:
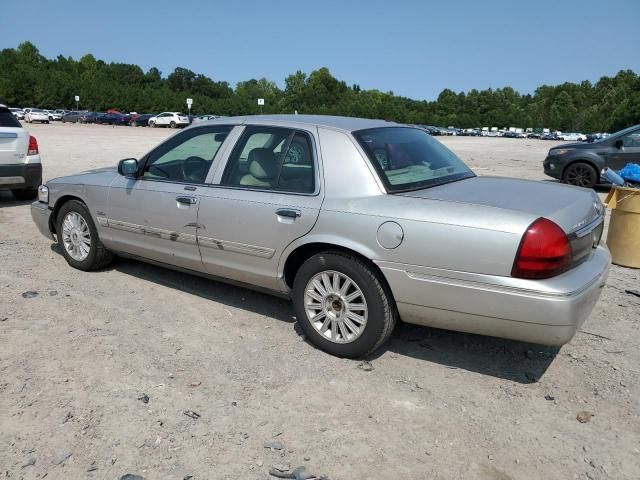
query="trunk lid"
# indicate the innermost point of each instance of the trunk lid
(578, 211)
(570, 207)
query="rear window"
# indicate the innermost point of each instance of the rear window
(410, 159)
(7, 119)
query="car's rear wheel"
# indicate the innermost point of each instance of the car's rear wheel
(172, 124)
(580, 174)
(78, 238)
(27, 194)
(152, 124)
(134, 123)
(343, 305)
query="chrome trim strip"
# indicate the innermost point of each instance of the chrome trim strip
(8, 135)
(589, 227)
(103, 221)
(253, 250)
(497, 288)
(153, 232)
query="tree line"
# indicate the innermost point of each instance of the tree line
(27, 78)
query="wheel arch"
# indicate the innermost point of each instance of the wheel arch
(53, 219)
(301, 253)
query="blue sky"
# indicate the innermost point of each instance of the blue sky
(413, 48)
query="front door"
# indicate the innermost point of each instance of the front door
(627, 152)
(267, 195)
(154, 215)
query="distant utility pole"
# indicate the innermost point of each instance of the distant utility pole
(261, 104)
(77, 103)
(189, 103)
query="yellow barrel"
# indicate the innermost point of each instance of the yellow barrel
(623, 238)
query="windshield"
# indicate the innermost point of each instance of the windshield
(410, 159)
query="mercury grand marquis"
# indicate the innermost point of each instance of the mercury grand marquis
(359, 222)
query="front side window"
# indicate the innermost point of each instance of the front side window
(268, 158)
(186, 157)
(410, 159)
(631, 140)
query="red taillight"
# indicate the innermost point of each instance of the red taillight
(544, 251)
(33, 146)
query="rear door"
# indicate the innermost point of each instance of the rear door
(267, 195)
(154, 215)
(14, 140)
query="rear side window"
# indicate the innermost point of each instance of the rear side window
(267, 158)
(7, 119)
(410, 159)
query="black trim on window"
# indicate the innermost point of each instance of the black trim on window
(241, 143)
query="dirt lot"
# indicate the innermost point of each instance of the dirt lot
(78, 358)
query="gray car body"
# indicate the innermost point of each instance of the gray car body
(600, 154)
(457, 242)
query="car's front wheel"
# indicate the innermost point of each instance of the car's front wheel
(78, 238)
(581, 174)
(343, 305)
(172, 124)
(152, 124)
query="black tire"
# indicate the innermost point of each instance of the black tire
(580, 174)
(172, 124)
(134, 123)
(98, 256)
(28, 194)
(382, 313)
(152, 124)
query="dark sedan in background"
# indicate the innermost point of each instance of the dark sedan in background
(581, 163)
(141, 120)
(113, 119)
(79, 117)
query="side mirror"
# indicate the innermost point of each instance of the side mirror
(619, 144)
(128, 167)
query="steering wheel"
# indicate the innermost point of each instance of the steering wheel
(194, 169)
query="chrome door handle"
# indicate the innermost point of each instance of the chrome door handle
(185, 200)
(288, 212)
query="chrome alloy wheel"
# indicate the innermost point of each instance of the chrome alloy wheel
(335, 306)
(76, 236)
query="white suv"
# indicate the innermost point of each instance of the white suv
(20, 166)
(169, 119)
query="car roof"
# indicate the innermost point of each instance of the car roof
(347, 124)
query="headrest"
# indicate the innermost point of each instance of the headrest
(262, 164)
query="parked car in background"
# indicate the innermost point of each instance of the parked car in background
(88, 117)
(20, 164)
(247, 199)
(550, 136)
(572, 137)
(204, 118)
(112, 119)
(18, 113)
(169, 119)
(581, 163)
(36, 115)
(141, 120)
(72, 117)
(54, 115)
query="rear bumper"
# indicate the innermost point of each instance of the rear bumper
(547, 312)
(20, 176)
(42, 218)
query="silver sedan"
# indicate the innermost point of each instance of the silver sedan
(359, 222)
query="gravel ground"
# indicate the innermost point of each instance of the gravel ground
(97, 369)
